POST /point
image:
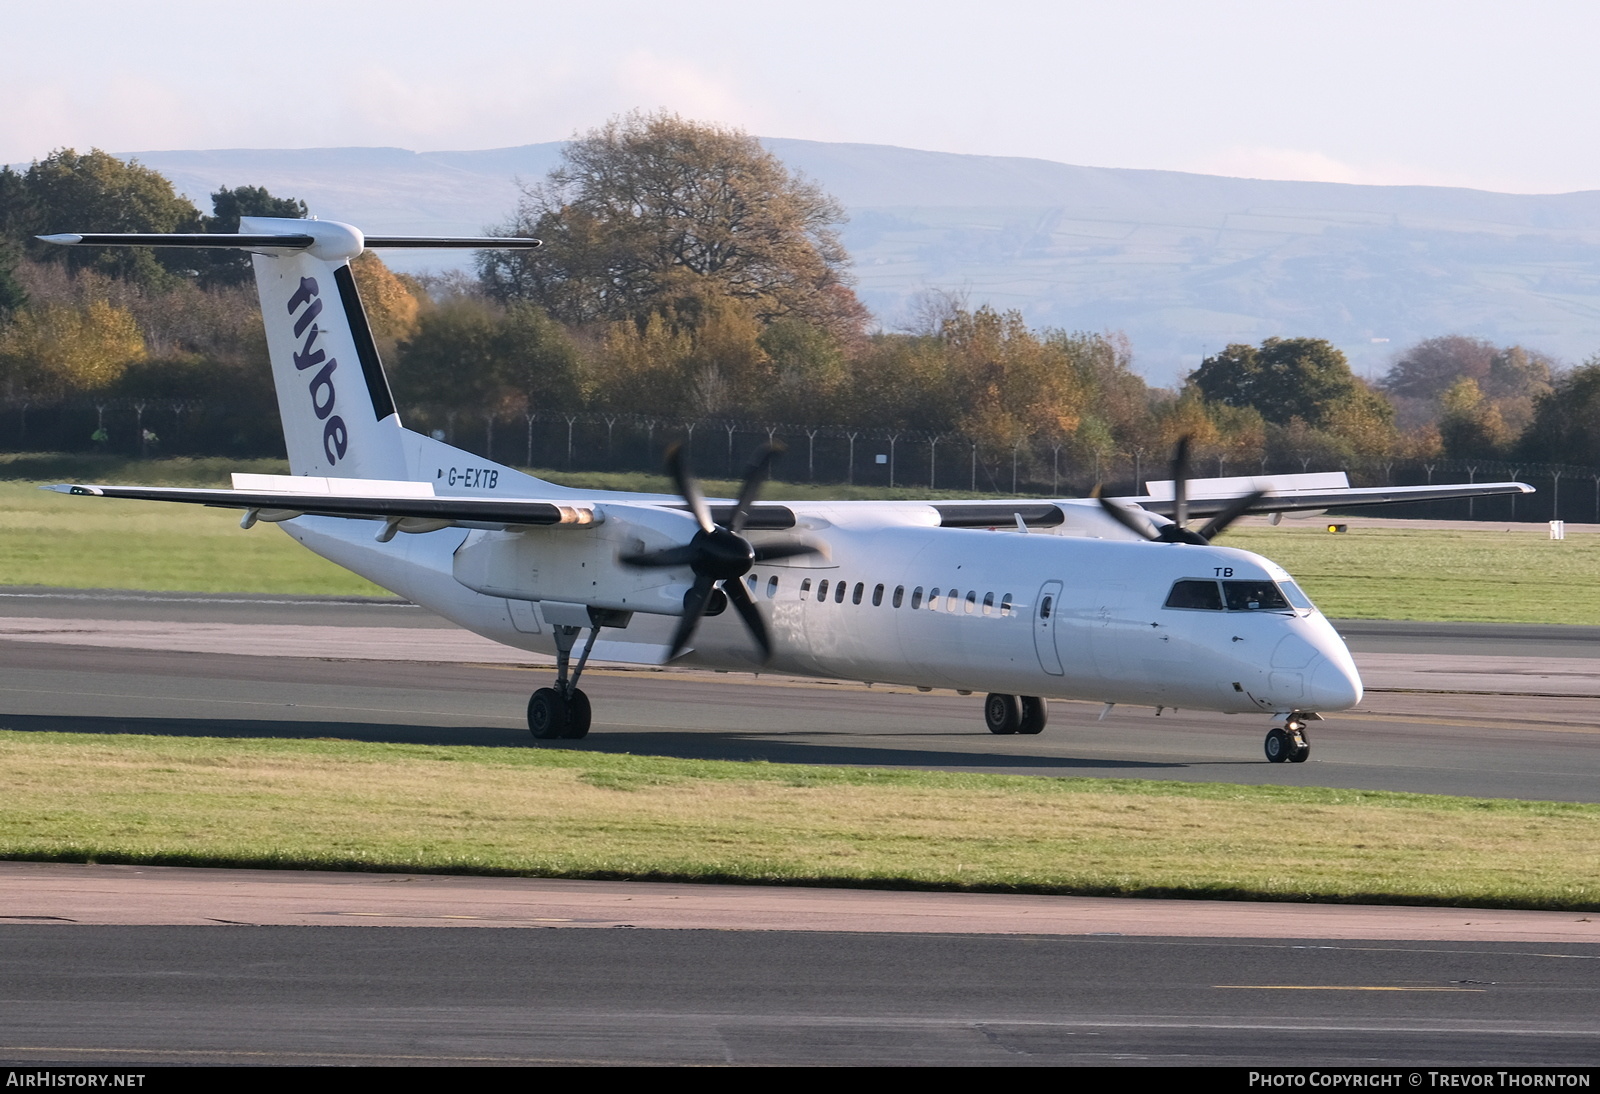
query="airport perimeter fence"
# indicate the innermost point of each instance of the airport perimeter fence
(719, 448)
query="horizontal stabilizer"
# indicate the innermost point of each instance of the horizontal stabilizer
(289, 242)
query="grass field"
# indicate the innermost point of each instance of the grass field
(1491, 575)
(555, 813)
(1368, 573)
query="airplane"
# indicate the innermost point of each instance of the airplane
(1117, 601)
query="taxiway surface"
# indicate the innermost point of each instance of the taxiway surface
(1468, 709)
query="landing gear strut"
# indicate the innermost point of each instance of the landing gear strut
(562, 712)
(1288, 744)
(1009, 714)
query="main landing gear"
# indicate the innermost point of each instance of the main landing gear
(1011, 714)
(562, 712)
(1288, 744)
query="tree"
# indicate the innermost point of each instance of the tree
(1286, 378)
(1471, 424)
(470, 355)
(97, 192)
(12, 294)
(652, 211)
(227, 207)
(393, 302)
(1428, 369)
(54, 350)
(1509, 378)
(1566, 421)
(1010, 386)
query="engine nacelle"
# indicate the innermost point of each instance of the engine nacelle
(578, 565)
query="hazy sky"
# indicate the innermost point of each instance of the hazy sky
(1493, 95)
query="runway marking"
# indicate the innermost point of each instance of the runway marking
(200, 1053)
(259, 703)
(156, 598)
(1447, 720)
(1331, 987)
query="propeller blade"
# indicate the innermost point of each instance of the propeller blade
(755, 477)
(694, 606)
(1123, 516)
(1180, 482)
(667, 557)
(740, 596)
(688, 487)
(765, 552)
(1219, 523)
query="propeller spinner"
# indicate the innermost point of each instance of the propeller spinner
(1179, 531)
(719, 555)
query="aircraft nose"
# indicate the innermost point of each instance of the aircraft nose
(1334, 683)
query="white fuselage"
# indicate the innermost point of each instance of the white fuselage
(1050, 615)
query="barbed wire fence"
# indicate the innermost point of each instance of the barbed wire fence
(816, 453)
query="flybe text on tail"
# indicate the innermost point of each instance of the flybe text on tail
(307, 302)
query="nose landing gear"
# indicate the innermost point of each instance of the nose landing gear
(1288, 744)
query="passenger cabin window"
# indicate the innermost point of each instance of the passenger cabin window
(988, 603)
(900, 595)
(877, 597)
(822, 591)
(855, 594)
(1196, 596)
(1005, 605)
(772, 587)
(838, 592)
(916, 598)
(972, 601)
(1044, 607)
(805, 587)
(933, 600)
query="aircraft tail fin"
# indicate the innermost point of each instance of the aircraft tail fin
(339, 417)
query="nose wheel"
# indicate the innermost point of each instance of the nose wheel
(1288, 744)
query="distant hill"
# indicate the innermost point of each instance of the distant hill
(1182, 263)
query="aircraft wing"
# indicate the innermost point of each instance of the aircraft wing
(283, 505)
(1302, 501)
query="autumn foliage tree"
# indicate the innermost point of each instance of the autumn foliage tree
(52, 351)
(651, 211)
(97, 192)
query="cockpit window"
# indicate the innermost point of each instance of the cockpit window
(1296, 597)
(1196, 595)
(1254, 596)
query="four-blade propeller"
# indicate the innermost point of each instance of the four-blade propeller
(1179, 531)
(719, 556)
